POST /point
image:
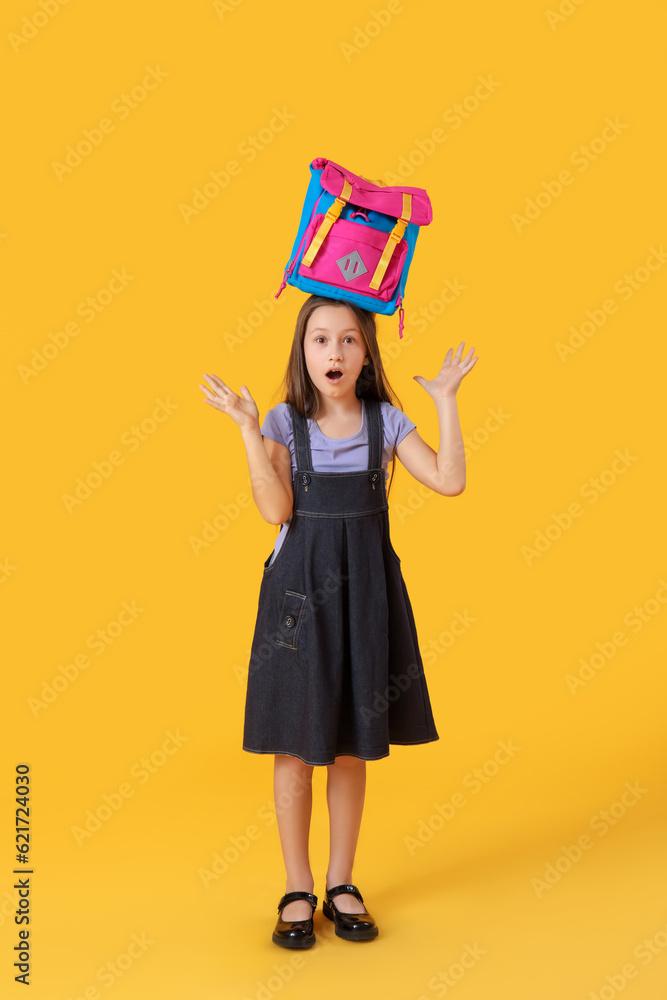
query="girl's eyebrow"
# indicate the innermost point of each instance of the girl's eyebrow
(325, 329)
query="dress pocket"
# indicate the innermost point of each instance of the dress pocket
(291, 617)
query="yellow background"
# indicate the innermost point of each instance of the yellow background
(178, 665)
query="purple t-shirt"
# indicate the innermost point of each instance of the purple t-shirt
(349, 454)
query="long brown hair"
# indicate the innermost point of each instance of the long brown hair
(297, 386)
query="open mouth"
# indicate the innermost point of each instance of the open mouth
(334, 375)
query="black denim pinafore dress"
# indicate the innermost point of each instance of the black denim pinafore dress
(335, 666)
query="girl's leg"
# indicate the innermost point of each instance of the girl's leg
(293, 793)
(346, 788)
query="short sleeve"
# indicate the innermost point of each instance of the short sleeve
(396, 423)
(274, 425)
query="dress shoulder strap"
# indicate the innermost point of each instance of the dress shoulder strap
(301, 441)
(375, 433)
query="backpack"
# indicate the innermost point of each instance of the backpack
(356, 239)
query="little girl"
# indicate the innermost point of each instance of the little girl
(335, 671)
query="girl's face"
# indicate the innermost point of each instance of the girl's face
(333, 340)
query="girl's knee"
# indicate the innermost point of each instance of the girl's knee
(295, 763)
(347, 760)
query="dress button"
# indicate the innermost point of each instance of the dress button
(374, 476)
(289, 620)
(305, 478)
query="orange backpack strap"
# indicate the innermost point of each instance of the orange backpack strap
(394, 238)
(332, 214)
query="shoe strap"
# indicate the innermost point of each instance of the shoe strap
(345, 887)
(290, 897)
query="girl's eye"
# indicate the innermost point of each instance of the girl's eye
(349, 337)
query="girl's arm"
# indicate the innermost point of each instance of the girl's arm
(443, 471)
(269, 479)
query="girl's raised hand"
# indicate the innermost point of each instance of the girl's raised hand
(242, 409)
(450, 376)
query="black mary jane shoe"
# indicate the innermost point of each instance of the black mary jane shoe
(351, 926)
(295, 933)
